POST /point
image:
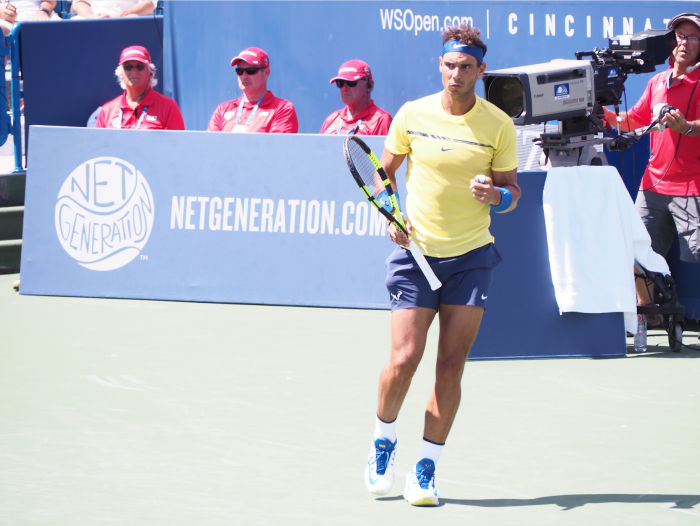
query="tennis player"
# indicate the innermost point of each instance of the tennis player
(449, 138)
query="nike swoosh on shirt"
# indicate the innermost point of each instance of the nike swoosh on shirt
(483, 297)
(448, 139)
(447, 150)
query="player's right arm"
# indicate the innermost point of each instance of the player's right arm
(391, 162)
(397, 147)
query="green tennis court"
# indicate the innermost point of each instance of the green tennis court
(166, 413)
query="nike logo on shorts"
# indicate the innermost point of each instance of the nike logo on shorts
(483, 297)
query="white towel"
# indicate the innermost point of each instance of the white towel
(594, 234)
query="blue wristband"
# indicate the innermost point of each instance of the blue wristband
(398, 199)
(506, 200)
(385, 201)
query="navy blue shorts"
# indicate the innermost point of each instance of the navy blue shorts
(466, 279)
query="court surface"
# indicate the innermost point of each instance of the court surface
(167, 413)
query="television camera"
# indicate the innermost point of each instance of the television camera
(574, 92)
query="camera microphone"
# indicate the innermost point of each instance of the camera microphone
(661, 109)
(659, 112)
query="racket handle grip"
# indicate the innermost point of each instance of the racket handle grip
(425, 266)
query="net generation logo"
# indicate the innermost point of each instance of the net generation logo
(104, 213)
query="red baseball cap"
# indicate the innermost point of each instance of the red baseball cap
(252, 55)
(137, 53)
(353, 70)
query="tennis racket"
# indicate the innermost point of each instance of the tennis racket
(374, 183)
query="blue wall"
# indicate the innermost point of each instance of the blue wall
(68, 66)
(308, 41)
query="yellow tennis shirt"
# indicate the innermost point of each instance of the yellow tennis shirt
(445, 152)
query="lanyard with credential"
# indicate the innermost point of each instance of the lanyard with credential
(252, 113)
(342, 121)
(138, 124)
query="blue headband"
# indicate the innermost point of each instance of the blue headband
(461, 47)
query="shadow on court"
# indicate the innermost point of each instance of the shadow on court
(657, 346)
(568, 502)
(657, 352)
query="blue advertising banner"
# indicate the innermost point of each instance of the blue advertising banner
(200, 217)
(308, 41)
(196, 216)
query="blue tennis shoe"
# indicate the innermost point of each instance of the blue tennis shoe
(420, 484)
(379, 473)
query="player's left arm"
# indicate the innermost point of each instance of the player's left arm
(488, 192)
(503, 183)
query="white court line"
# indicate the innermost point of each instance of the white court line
(107, 383)
(685, 511)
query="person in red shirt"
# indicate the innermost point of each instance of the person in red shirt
(669, 194)
(257, 110)
(140, 106)
(355, 83)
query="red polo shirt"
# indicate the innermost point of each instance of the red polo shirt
(375, 121)
(274, 115)
(683, 177)
(162, 113)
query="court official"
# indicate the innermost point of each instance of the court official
(257, 110)
(360, 114)
(140, 107)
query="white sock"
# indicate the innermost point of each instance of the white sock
(430, 450)
(384, 429)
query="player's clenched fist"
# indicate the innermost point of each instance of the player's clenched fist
(484, 191)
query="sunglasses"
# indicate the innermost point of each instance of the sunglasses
(350, 83)
(129, 67)
(249, 71)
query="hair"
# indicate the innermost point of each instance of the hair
(464, 33)
(119, 72)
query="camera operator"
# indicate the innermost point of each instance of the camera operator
(669, 195)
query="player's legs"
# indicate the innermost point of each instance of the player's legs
(459, 325)
(466, 284)
(409, 331)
